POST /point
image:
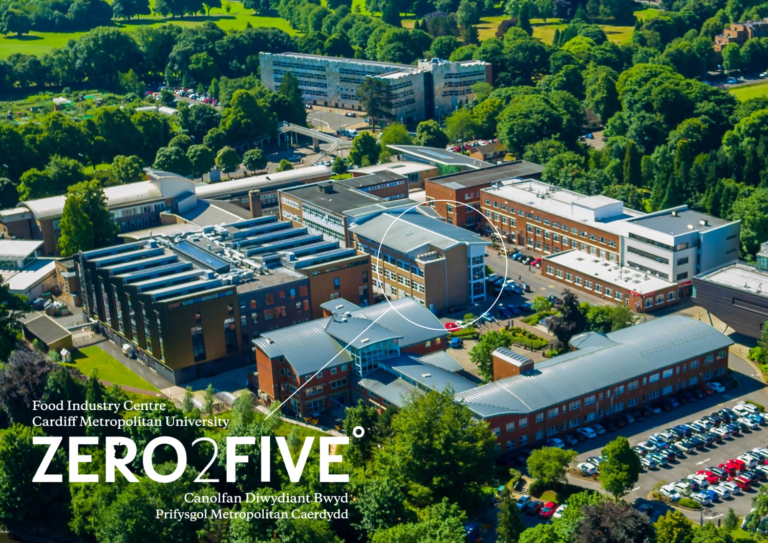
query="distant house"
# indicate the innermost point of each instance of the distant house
(490, 152)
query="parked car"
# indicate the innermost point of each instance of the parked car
(556, 442)
(722, 432)
(722, 491)
(523, 500)
(648, 463)
(719, 472)
(715, 387)
(570, 439)
(730, 468)
(548, 510)
(712, 478)
(669, 491)
(599, 429)
(660, 459)
(658, 441)
(733, 487)
(701, 497)
(533, 507)
(587, 469)
(560, 510)
(587, 432)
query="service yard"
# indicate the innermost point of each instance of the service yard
(750, 389)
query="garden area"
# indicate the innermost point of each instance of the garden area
(109, 369)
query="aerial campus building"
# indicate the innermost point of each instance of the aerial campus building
(433, 88)
(388, 359)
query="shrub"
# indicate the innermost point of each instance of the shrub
(758, 355)
(551, 353)
(689, 503)
(515, 477)
(465, 333)
(54, 356)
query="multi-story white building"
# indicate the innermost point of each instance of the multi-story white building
(433, 88)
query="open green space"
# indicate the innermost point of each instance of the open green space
(546, 31)
(742, 536)
(649, 13)
(750, 91)
(231, 16)
(89, 358)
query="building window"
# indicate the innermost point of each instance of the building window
(659, 299)
(632, 385)
(523, 423)
(589, 400)
(552, 412)
(709, 359)
(693, 381)
(552, 430)
(510, 427)
(653, 378)
(671, 296)
(539, 417)
(573, 423)
(667, 373)
(618, 295)
(198, 343)
(588, 284)
(230, 335)
(336, 283)
(693, 364)
(648, 302)
(575, 405)
(568, 277)
(550, 270)
(577, 280)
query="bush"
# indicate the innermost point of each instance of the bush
(515, 477)
(551, 353)
(689, 503)
(54, 356)
(465, 333)
(758, 355)
(39, 345)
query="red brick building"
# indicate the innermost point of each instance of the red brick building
(605, 376)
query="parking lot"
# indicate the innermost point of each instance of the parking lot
(749, 388)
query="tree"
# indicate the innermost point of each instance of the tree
(753, 213)
(486, 113)
(548, 465)
(188, 405)
(198, 120)
(429, 134)
(674, 527)
(438, 450)
(570, 521)
(20, 498)
(215, 139)
(381, 505)
(364, 147)
(394, 134)
(709, 533)
(15, 21)
(366, 417)
(128, 169)
(254, 160)
(201, 159)
(227, 160)
(731, 57)
(731, 521)
(131, 83)
(284, 166)
(541, 304)
(11, 308)
(373, 96)
(569, 322)
(86, 222)
(208, 398)
(510, 525)
(443, 522)
(461, 125)
(482, 353)
(620, 469)
(613, 522)
(172, 159)
(632, 167)
(339, 167)
(541, 533)
(59, 174)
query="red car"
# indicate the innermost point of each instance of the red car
(740, 463)
(711, 477)
(729, 468)
(451, 326)
(548, 510)
(741, 482)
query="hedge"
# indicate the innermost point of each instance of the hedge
(760, 407)
(689, 503)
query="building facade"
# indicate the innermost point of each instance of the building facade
(414, 256)
(433, 88)
(739, 33)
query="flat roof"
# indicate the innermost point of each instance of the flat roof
(14, 249)
(161, 230)
(681, 222)
(344, 60)
(261, 182)
(411, 231)
(552, 199)
(340, 198)
(519, 169)
(403, 167)
(372, 179)
(607, 272)
(739, 276)
(19, 281)
(207, 213)
(440, 156)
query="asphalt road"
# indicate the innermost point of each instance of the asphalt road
(331, 119)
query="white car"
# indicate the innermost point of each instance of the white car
(748, 459)
(523, 500)
(705, 423)
(599, 429)
(559, 511)
(722, 432)
(670, 492)
(587, 469)
(587, 432)
(648, 463)
(717, 387)
(702, 498)
(751, 423)
(650, 447)
(722, 491)
(746, 409)
(733, 487)
(683, 488)
(701, 479)
(761, 450)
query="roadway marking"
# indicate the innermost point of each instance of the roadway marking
(702, 462)
(636, 488)
(716, 516)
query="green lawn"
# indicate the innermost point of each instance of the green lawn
(740, 536)
(488, 25)
(38, 43)
(649, 13)
(750, 91)
(546, 31)
(109, 369)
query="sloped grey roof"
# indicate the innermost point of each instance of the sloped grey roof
(442, 360)
(591, 339)
(387, 386)
(426, 375)
(637, 350)
(512, 357)
(358, 332)
(308, 346)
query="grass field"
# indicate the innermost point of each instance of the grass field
(750, 91)
(109, 369)
(37, 43)
(649, 13)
